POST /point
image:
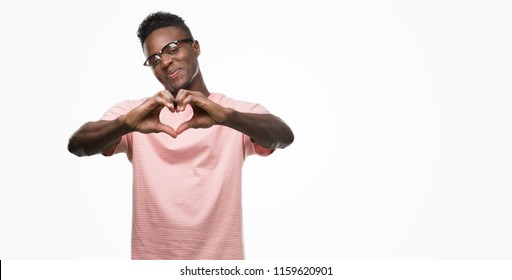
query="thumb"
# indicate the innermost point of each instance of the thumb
(184, 126)
(167, 129)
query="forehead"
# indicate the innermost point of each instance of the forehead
(160, 37)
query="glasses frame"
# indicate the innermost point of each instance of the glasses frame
(161, 52)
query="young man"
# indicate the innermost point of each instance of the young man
(186, 181)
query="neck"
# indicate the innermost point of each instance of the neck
(197, 84)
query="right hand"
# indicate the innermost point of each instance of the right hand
(146, 117)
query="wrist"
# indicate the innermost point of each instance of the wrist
(123, 125)
(228, 116)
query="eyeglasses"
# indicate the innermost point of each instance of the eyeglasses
(170, 50)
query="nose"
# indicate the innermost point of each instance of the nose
(166, 60)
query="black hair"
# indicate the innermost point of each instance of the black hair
(158, 20)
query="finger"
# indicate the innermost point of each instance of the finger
(174, 106)
(184, 126)
(187, 100)
(172, 101)
(180, 96)
(186, 97)
(167, 97)
(168, 93)
(167, 129)
(164, 94)
(163, 102)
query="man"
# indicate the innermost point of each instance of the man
(186, 181)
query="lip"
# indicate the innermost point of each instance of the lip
(173, 72)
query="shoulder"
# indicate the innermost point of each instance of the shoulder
(129, 104)
(242, 106)
(121, 108)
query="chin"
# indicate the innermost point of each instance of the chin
(182, 86)
(175, 85)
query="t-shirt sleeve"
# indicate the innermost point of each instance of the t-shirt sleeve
(113, 113)
(250, 146)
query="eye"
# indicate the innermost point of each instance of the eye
(170, 49)
(153, 60)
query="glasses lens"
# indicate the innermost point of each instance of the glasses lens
(152, 60)
(170, 49)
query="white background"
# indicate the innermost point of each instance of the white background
(400, 109)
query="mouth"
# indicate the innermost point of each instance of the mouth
(172, 73)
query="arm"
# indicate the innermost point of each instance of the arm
(96, 137)
(267, 130)
(100, 136)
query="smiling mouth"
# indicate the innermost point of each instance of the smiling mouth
(173, 73)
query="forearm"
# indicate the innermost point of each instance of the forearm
(96, 137)
(267, 130)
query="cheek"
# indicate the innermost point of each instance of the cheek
(159, 73)
(193, 67)
(160, 76)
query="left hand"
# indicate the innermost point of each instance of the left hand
(206, 112)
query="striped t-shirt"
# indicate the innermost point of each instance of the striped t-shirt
(187, 190)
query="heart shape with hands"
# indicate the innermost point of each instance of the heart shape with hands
(146, 117)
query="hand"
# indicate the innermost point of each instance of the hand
(206, 112)
(146, 117)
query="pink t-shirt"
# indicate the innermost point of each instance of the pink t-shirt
(187, 191)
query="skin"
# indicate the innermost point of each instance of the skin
(183, 86)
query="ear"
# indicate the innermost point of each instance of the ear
(196, 48)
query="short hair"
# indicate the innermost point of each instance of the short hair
(159, 20)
